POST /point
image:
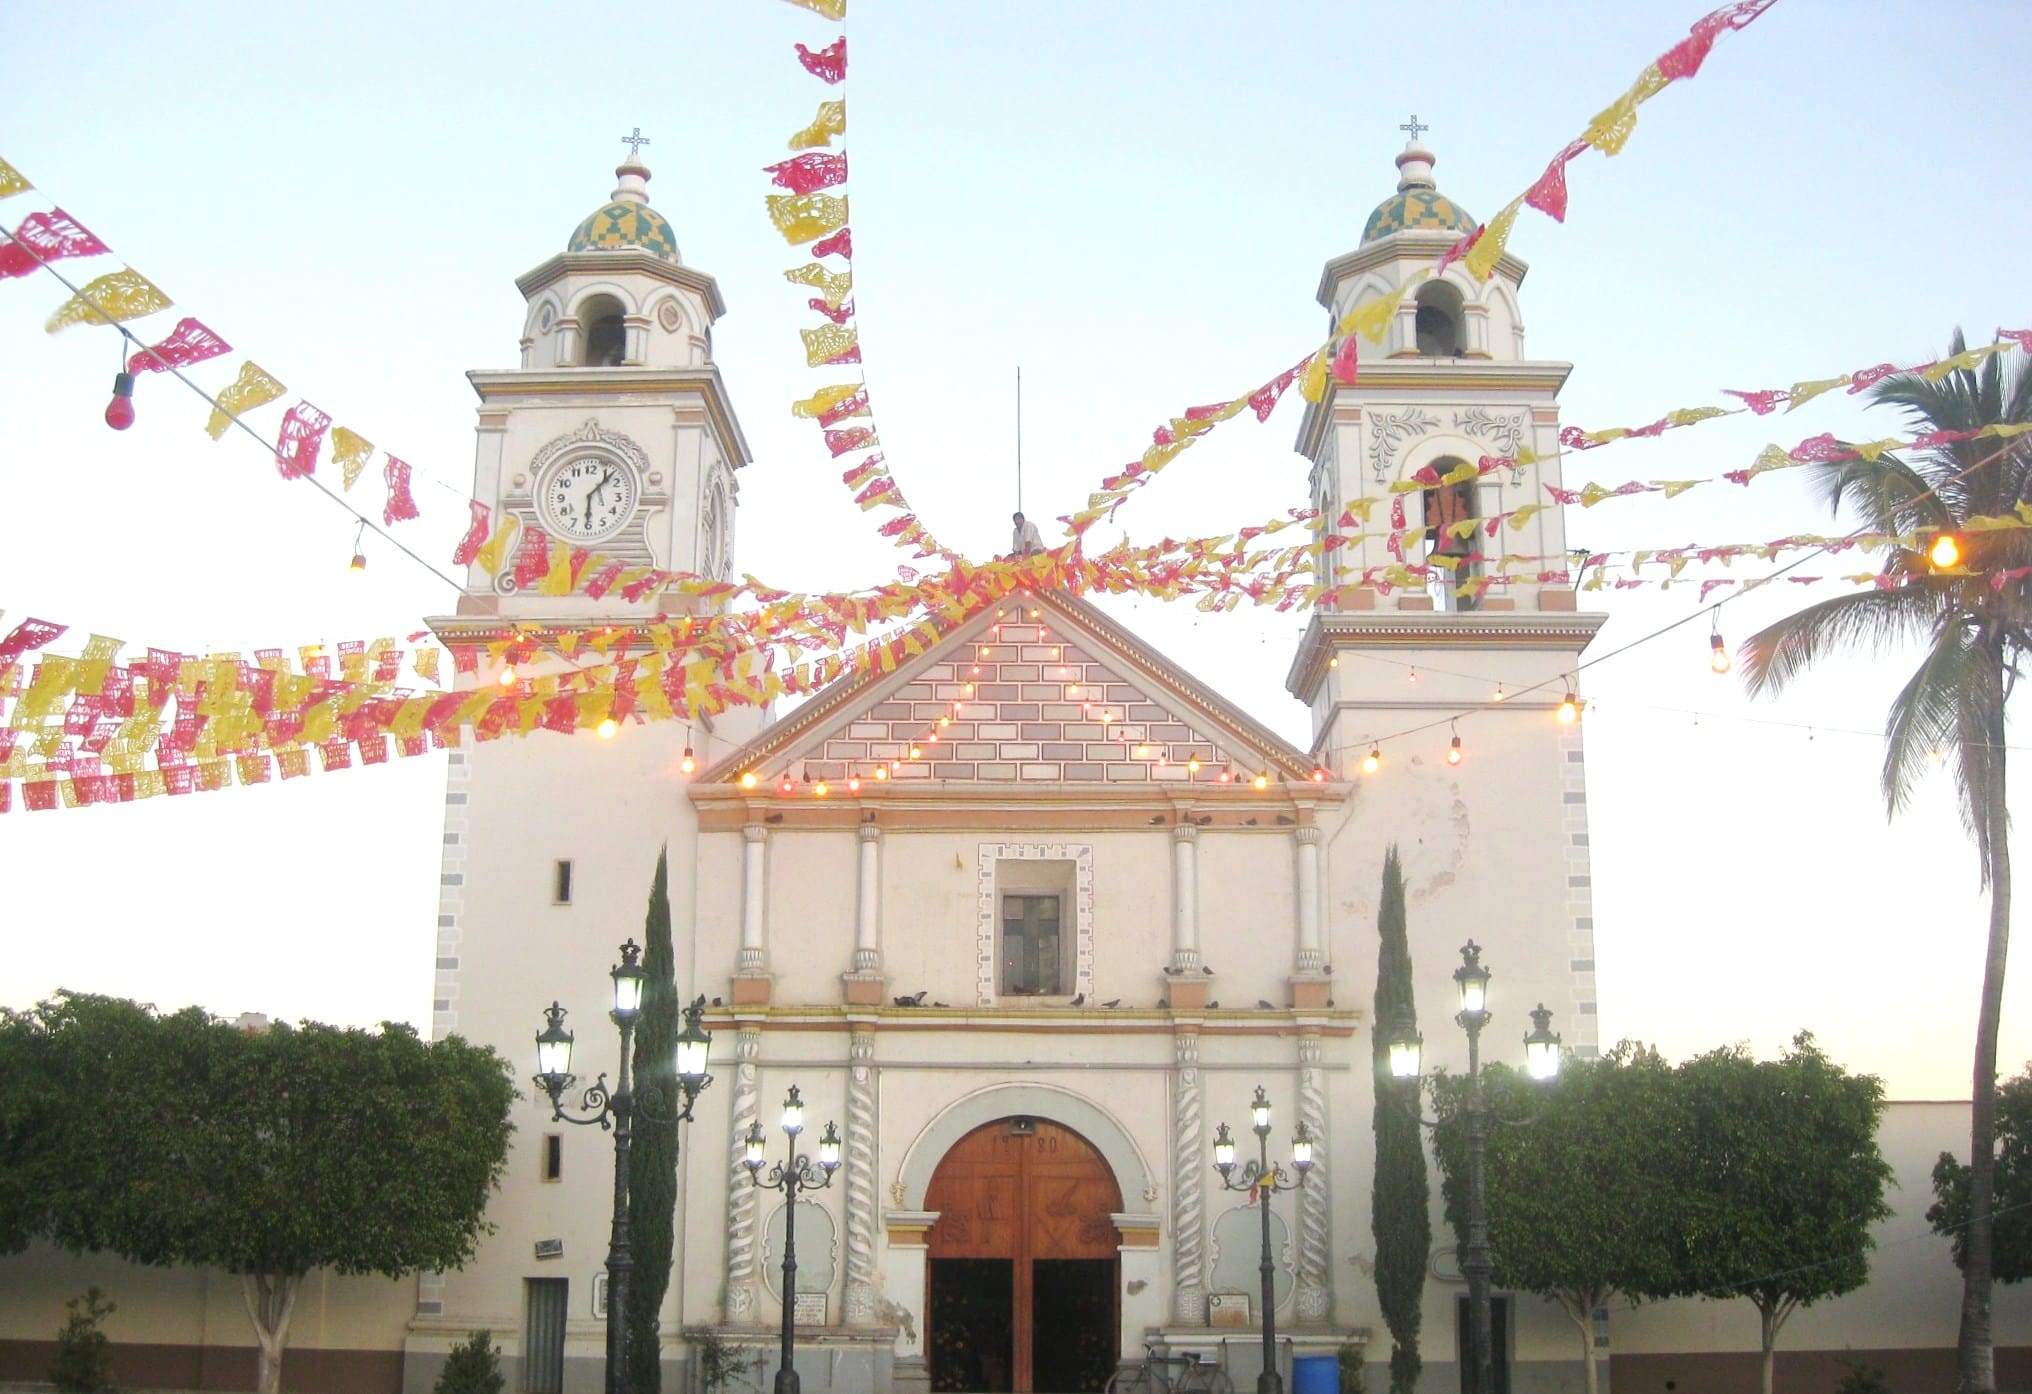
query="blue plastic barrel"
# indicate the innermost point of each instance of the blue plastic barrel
(1316, 1374)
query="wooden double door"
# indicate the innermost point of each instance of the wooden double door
(1023, 1258)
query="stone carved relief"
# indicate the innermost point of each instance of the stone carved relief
(590, 434)
(862, 1300)
(1188, 1167)
(1081, 855)
(1388, 432)
(1315, 1198)
(1503, 430)
(742, 1197)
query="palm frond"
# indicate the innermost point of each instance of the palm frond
(1872, 619)
(1979, 764)
(1890, 495)
(1926, 716)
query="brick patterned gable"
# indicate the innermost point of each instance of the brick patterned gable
(1058, 695)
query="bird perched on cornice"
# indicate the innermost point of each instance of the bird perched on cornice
(1079, 999)
(1264, 1006)
(1116, 1002)
(915, 999)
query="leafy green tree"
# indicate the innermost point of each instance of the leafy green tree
(1774, 1180)
(185, 1140)
(1399, 1209)
(1972, 622)
(2011, 1258)
(1576, 1212)
(652, 1159)
(84, 1357)
(473, 1367)
(27, 1116)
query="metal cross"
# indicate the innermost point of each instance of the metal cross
(637, 140)
(1413, 127)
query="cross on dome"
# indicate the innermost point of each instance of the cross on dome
(635, 140)
(1411, 127)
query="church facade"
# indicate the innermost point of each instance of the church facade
(1027, 918)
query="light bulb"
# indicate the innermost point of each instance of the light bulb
(359, 562)
(1334, 662)
(917, 752)
(1227, 776)
(976, 672)
(1319, 776)
(1453, 752)
(969, 689)
(1945, 551)
(853, 784)
(945, 721)
(820, 789)
(881, 772)
(747, 779)
(1414, 675)
(607, 728)
(788, 784)
(688, 763)
(1569, 710)
(507, 678)
(120, 411)
(1262, 781)
(1373, 761)
(1072, 689)
(1499, 692)
(1192, 765)
(1718, 653)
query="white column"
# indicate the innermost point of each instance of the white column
(1311, 956)
(754, 871)
(1315, 1198)
(1189, 1163)
(1184, 897)
(868, 909)
(738, 1297)
(859, 1165)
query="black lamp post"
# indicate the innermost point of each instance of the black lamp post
(797, 1175)
(1261, 1181)
(1541, 1062)
(615, 1109)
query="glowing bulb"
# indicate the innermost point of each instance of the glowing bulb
(1227, 776)
(931, 739)
(1453, 752)
(1334, 662)
(945, 721)
(747, 779)
(359, 562)
(1499, 692)
(1035, 613)
(969, 689)
(1192, 765)
(689, 763)
(1373, 761)
(507, 678)
(1414, 675)
(881, 772)
(853, 784)
(820, 789)
(917, 752)
(788, 784)
(1718, 655)
(608, 728)
(1142, 752)
(1569, 710)
(120, 411)
(1072, 689)
(1318, 776)
(976, 672)
(1945, 552)
(1262, 781)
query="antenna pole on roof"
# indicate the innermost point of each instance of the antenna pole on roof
(1019, 438)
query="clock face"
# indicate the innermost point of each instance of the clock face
(587, 499)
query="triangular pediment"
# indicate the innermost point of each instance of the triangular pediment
(1038, 690)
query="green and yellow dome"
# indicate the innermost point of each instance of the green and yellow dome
(627, 223)
(1418, 203)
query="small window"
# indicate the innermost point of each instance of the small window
(1438, 325)
(1499, 1342)
(544, 1302)
(552, 1157)
(561, 882)
(605, 332)
(1032, 946)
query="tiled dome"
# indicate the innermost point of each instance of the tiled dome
(1418, 203)
(627, 223)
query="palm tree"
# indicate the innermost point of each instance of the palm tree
(1975, 634)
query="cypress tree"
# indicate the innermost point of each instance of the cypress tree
(1399, 1212)
(652, 1160)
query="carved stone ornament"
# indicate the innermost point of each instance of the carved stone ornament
(668, 316)
(1504, 430)
(590, 434)
(1391, 431)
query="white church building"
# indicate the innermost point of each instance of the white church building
(1027, 918)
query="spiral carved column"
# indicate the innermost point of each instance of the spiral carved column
(859, 1166)
(742, 1268)
(1189, 1163)
(1315, 1198)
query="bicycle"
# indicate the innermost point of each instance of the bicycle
(1199, 1372)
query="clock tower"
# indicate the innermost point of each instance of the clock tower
(615, 433)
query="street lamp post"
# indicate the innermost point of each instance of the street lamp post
(1261, 1181)
(614, 1109)
(796, 1175)
(1541, 1062)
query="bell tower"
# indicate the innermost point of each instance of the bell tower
(615, 434)
(1450, 385)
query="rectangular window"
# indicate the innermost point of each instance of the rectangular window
(1499, 1341)
(543, 1335)
(552, 1153)
(560, 884)
(1032, 945)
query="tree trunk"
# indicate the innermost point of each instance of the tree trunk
(1583, 1314)
(270, 1298)
(1770, 1319)
(1975, 1361)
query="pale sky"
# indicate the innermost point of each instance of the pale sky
(1132, 201)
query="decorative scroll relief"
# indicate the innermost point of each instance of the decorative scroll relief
(1389, 432)
(590, 434)
(742, 1197)
(1081, 855)
(863, 1302)
(1503, 430)
(1315, 1198)
(1188, 1167)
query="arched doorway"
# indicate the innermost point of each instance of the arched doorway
(1022, 1272)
